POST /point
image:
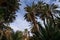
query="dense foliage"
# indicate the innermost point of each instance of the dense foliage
(48, 14)
(8, 10)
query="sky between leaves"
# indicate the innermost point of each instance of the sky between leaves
(20, 23)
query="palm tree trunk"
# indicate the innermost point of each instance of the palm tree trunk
(1, 34)
(36, 28)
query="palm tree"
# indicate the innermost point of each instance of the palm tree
(51, 31)
(18, 35)
(30, 15)
(26, 35)
(8, 34)
(5, 33)
(46, 12)
(8, 10)
(47, 33)
(1, 34)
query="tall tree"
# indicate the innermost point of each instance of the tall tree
(6, 34)
(47, 13)
(26, 35)
(30, 15)
(8, 10)
(18, 35)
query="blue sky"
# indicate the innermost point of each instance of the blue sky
(20, 23)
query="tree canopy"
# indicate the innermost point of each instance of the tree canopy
(8, 10)
(47, 13)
